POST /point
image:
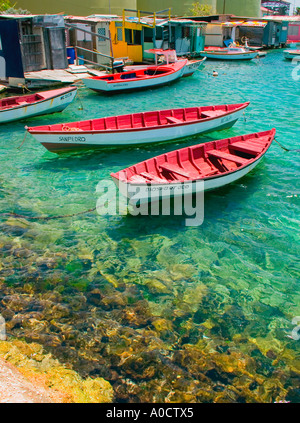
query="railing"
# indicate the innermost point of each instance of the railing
(111, 58)
(99, 54)
(154, 14)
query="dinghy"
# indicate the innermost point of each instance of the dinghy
(146, 77)
(216, 163)
(137, 128)
(230, 53)
(41, 103)
(291, 54)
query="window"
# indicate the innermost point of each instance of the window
(148, 35)
(128, 36)
(101, 31)
(119, 34)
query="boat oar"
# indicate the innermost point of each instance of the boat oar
(287, 149)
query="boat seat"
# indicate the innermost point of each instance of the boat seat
(170, 167)
(151, 177)
(212, 113)
(172, 119)
(137, 179)
(246, 148)
(222, 155)
(21, 103)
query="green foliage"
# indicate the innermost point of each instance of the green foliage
(9, 9)
(297, 11)
(201, 9)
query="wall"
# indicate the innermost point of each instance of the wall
(250, 8)
(179, 7)
(77, 7)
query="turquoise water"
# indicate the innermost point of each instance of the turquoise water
(165, 312)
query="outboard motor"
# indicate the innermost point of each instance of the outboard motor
(118, 66)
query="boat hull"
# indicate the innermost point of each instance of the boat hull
(102, 85)
(193, 169)
(64, 141)
(55, 103)
(156, 192)
(291, 54)
(229, 56)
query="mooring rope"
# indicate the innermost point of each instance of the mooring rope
(287, 149)
(18, 148)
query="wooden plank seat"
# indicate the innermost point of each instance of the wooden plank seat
(170, 167)
(172, 119)
(246, 148)
(137, 179)
(151, 176)
(212, 113)
(222, 155)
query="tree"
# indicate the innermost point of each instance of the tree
(201, 9)
(297, 11)
(7, 8)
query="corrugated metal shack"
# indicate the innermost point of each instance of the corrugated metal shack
(31, 43)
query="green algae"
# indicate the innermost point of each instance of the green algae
(41, 368)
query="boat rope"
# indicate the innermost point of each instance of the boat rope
(21, 216)
(287, 149)
(18, 148)
(79, 99)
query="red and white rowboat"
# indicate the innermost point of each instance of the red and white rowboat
(137, 128)
(216, 163)
(229, 53)
(146, 77)
(21, 107)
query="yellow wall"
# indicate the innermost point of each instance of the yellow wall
(121, 48)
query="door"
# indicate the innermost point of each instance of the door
(11, 64)
(56, 46)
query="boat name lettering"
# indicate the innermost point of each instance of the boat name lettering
(178, 187)
(225, 119)
(73, 139)
(65, 96)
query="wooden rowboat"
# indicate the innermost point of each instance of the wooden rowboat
(21, 107)
(146, 77)
(291, 54)
(230, 53)
(137, 128)
(216, 163)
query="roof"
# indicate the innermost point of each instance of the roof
(283, 18)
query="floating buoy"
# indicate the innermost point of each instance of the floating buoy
(215, 73)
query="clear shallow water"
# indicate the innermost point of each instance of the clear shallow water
(163, 311)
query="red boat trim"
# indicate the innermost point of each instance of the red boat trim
(170, 125)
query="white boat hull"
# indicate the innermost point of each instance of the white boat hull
(230, 56)
(51, 105)
(153, 192)
(70, 140)
(102, 85)
(290, 54)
